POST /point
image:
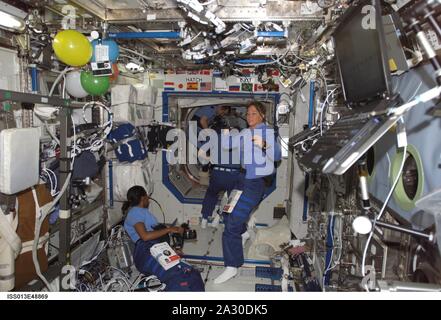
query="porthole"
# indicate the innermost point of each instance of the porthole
(410, 177)
(410, 185)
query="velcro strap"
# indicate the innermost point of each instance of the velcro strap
(27, 246)
(9, 235)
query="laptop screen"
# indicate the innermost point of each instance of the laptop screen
(361, 57)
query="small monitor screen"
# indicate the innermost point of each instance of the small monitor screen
(359, 53)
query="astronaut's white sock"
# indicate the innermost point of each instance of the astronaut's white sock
(245, 237)
(228, 273)
(204, 223)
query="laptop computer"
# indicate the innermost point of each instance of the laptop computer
(366, 82)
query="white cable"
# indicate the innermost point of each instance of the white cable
(325, 103)
(55, 178)
(107, 126)
(378, 217)
(47, 176)
(195, 37)
(389, 166)
(47, 128)
(58, 79)
(115, 280)
(38, 222)
(331, 227)
(52, 183)
(416, 91)
(63, 94)
(119, 270)
(415, 257)
(51, 92)
(341, 248)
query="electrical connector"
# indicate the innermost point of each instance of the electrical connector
(401, 134)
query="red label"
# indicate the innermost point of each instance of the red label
(258, 88)
(174, 258)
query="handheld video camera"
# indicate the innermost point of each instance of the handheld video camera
(176, 240)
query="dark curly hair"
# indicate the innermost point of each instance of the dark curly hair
(134, 196)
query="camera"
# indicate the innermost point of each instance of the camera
(176, 240)
(189, 234)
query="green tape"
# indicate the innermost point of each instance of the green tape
(400, 196)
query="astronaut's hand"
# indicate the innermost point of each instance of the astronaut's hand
(258, 141)
(176, 230)
(179, 252)
(202, 154)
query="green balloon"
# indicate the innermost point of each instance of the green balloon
(95, 86)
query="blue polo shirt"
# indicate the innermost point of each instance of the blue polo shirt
(257, 162)
(136, 215)
(220, 156)
(208, 111)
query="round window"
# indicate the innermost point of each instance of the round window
(410, 177)
(410, 187)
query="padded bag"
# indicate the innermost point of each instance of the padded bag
(126, 143)
(138, 173)
(85, 166)
(19, 159)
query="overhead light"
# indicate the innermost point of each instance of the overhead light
(11, 18)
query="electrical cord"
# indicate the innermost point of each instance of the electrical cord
(325, 105)
(160, 207)
(380, 214)
(58, 79)
(331, 230)
(107, 126)
(341, 249)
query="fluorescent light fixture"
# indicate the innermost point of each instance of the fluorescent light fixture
(11, 18)
(10, 22)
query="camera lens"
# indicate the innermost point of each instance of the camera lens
(190, 234)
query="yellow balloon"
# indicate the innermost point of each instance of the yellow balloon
(72, 48)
